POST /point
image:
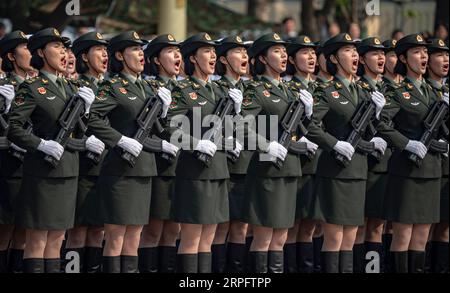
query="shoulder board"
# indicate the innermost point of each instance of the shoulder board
(325, 85)
(337, 84)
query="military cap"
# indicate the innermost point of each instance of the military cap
(436, 45)
(390, 45)
(229, 43)
(194, 42)
(124, 40)
(158, 43)
(409, 41)
(43, 37)
(12, 40)
(86, 41)
(319, 48)
(336, 42)
(370, 44)
(264, 42)
(67, 42)
(297, 43)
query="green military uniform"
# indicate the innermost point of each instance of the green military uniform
(124, 191)
(48, 195)
(413, 193)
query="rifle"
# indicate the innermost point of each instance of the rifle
(434, 120)
(292, 119)
(69, 119)
(223, 108)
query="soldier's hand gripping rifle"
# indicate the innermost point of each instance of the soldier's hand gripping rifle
(4, 126)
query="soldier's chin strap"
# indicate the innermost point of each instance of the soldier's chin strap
(271, 67)
(346, 71)
(409, 66)
(369, 68)
(21, 69)
(97, 74)
(297, 69)
(231, 67)
(199, 67)
(165, 70)
(126, 64)
(46, 61)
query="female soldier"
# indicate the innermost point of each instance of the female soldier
(46, 204)
(270, 199)
(437, 70)
(16, 63)
(232, 65)
(340, 190)
(322, 75)
(87, 237)
(200, 200)
(157, 248)
(298, 250)
(413, 193)
(124, 190)
(372, 59)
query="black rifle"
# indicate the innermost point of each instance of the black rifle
(434, 121)
(292, 120)
(68, 121)
(360, 121)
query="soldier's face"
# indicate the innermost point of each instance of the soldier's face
(169, 60)
(374, 61)
(22, 57)
(55, 57)
(348, 59)
(322, 63)
(417, 59)
(133, 58)
(439, 63)
(305, 60)
(70, 64)
(237, 60)
(276, 58)
(205, 60)
(97, 59)
(391, 61)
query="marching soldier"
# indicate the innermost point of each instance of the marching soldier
(271, 193)
(47, 199)
(16, 64)
(413, 193)
(124, 190)
(87, 237)
(157, 248)
(340, 191)
(298, 250)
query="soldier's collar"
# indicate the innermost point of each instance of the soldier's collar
(271, 80)
(131, 78)
(416, 82)
(92, 79)
(343, 81)
(436, 84)
(19, 79)
(165, 79)
(199, 81)
(52, 77)
(303, 80)
(231, 80)
(372, 82)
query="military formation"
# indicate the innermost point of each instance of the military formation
(159, 156)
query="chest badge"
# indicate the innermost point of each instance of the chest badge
(335, 94)
(406, 95)
(193, 96)
(266, 93)
(123, 90)
(42, 90)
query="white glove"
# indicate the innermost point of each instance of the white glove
(237, 150)
(51, 148)
(206, 147)
(88, 97)
(166, 98)
(308, 101)
(416, 147)
(344, 148)
(169, 148)
(237, 97)
(130, 145)
(7, 91)
(312, 147)
(379, 101)
(95, 145)
(445, 98)
(17, 148)
(277, 151)
(441, 140)
(380, 144)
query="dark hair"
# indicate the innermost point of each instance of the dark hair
(290, 68)
(2, 25)
(258, 67)
(286, 19)
(150, 67)
(7, 65)
(115, 66)
(221, 68)
(331, 67)
(37, 61)
(189, 67)
(80, 65)
(400, 67)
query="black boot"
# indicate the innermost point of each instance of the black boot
(148, 259)
(427, 268)
(93, 260)
(275, 265)
(378, 248)
(204, 262)
(111, 264)
(399, 262)
(290, 258)
(129, 264)
(359, 258)
(330, 262)
(258, 262)
(65, 262)
(4, 261)
(416, 262)
(33, 266)
(52, 265)
(346, 262)
(219, 258)
(317, 244)
(248, 243)
(439, 257)
(167, 259)
(305, 257)
(187, 263)
(387, 240)
(236, 257)
(15, 262)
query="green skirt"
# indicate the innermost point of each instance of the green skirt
(87, 202)
(236, 196)
(412, 200)
(47, 203)
(339, 201)
(444, 199)
(270, 202)
(162, 191)
(9, 190)
(200, 201)
(375, 193)
(305, 196)
(124, 200)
